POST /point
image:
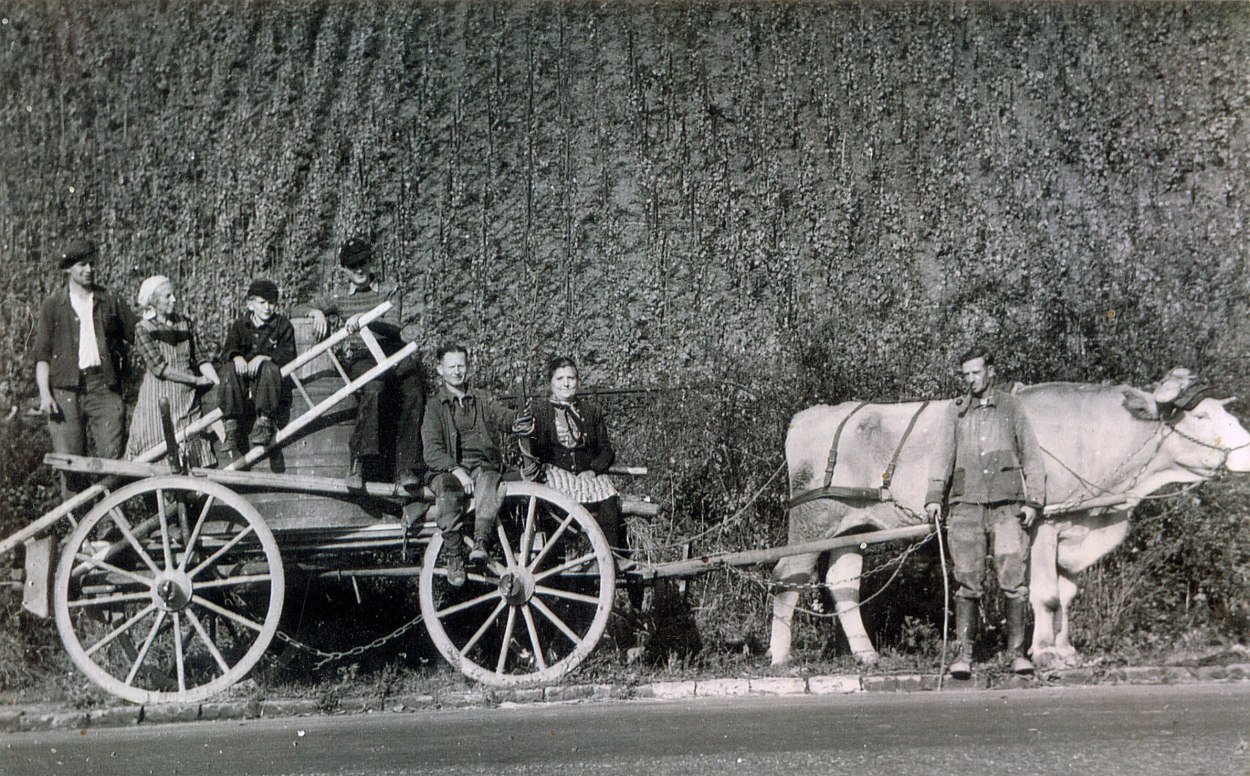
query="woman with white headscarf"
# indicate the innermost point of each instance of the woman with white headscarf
(175, 372)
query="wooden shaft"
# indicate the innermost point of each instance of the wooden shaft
(706, 563)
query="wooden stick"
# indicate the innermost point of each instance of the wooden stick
(706, 563)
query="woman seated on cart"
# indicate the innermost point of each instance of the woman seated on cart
(570, 440)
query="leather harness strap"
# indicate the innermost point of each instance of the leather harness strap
(888, 474)
(837, 437)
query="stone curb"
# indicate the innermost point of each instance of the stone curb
(17, 719)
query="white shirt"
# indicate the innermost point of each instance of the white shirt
(84, 308)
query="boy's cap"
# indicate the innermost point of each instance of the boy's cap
(265, 289)
(75, 252)
(355, 253)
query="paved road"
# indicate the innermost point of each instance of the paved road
(1185, 729)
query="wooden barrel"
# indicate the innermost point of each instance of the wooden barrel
(320, 449)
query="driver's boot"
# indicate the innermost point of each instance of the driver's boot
(965, 627)
(1020, 663)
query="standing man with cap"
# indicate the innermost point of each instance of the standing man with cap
(988, 466)
(79, 350)
(362, 292)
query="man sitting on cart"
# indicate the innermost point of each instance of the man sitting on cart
(361, 292)
(460, 433)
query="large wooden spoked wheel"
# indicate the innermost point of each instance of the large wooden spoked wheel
(169, 590)
(539, 607)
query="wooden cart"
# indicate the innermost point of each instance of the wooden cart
(171, 587)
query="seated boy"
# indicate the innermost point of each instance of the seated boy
(258, 345)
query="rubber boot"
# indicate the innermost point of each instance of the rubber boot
(965, 628)
(1020, 663)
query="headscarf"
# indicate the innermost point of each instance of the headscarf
(146, 291)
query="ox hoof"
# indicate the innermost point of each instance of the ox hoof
(870, 658)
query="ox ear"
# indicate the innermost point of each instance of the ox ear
(1173, 384)
(1226, 402)
(1140, 405)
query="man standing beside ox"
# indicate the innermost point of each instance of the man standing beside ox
(989, 468)
(79, 351)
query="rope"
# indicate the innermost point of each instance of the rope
(722, 525)
(946, 598)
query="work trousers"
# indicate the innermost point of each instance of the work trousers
(265, 387)
(91, 405)
(969, 528)
(450, 501)
(404, 386)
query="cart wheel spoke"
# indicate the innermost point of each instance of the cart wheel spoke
(227, 547)
(208, 642)
(527, 533)
(163, 516)
(460, 607)
(567, 595)
(249, 579)
(489, 621)
(552, 542)
(509, 558)
(124, 526)
(224, 612)
(203, 636)
(179, 660)
(555, 620)
(195, 533)
(563, 567)
(147, 645)
(120, 629)
(533, 631)
(507, 640)
(109, 600)
(102, 564)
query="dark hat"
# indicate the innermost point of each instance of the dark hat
(355, 253)
(265, 289)
(75, 252)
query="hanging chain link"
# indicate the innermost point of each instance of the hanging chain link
(328, 657)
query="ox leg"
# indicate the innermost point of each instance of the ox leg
(1044, 591)
(1064, 651)
(1081, 545)
(845, 568)
(789, 572)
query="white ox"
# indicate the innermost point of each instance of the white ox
(1103, 443)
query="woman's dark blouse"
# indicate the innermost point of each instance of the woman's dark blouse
(595, 452)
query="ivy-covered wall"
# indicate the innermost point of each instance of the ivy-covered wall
(770, 204)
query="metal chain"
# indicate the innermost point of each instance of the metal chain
(327, 657)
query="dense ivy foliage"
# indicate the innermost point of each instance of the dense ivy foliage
(749, 207)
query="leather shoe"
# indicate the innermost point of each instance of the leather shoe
(410, 481)
(355, 477)
(262, 432)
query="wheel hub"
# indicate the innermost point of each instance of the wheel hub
(516, 585)
(172, 591)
